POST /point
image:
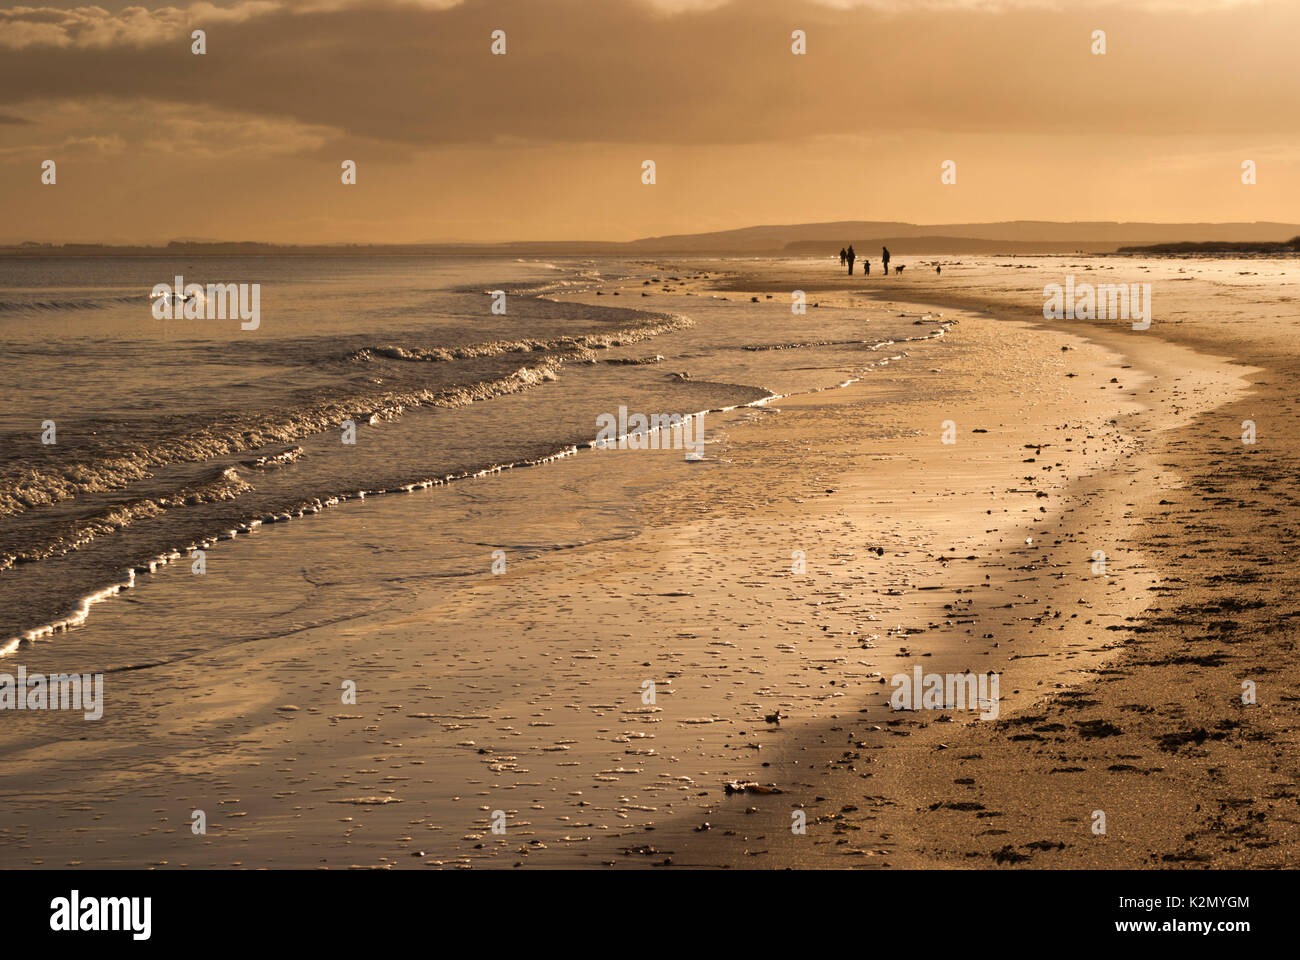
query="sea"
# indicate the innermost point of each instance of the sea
(130, 439)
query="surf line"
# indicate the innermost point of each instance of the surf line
(79, 613)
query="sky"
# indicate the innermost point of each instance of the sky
(548, 141)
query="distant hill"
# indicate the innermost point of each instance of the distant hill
(808, 239)
(947, 245)
(1096, 236)
(1218, 246)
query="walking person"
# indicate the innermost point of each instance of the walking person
(884, 255)
(851, 256)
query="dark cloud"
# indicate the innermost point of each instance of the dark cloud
(622, 71)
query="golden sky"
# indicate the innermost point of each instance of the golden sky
(547, 141)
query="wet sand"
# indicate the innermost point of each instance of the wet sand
(524, 692)
(1156, 737)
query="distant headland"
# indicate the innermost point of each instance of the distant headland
(1013, 237)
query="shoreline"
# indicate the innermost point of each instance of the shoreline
(1154, 740)
(839, 812)
(77, 614)
(715, 515)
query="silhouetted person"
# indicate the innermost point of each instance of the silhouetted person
(866, 268)
(843, 256)
(852, 257)
(938, 268)
(884, 255)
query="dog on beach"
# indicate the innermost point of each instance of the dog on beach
(899, 269)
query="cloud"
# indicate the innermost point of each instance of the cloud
(92, 147)
(102, 127)
(637, 72)
(136, 26)
(95, 27)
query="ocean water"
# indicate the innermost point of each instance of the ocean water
(172, 434)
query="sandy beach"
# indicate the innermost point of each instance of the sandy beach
(667, 632)
(1158, 736)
